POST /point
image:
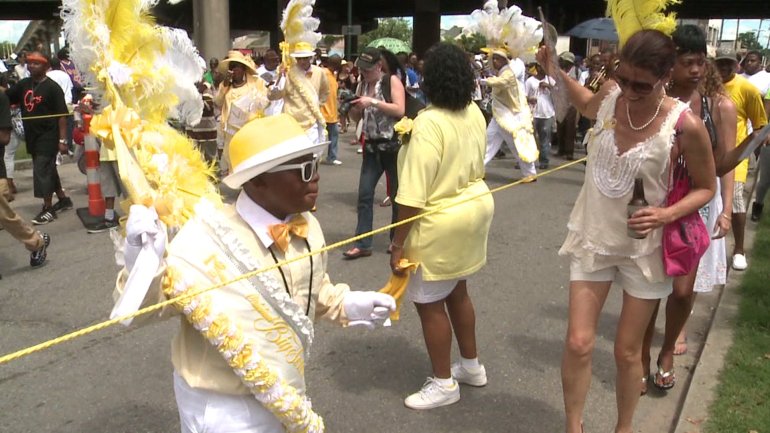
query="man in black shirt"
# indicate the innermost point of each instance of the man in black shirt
(39, 96)
(35, 241)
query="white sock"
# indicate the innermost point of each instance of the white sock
(469, 363)
(109, 214)
(446, 383)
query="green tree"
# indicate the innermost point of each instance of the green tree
(329, 40)
(748, 40)
(398, 28)
(472, 44)
(6, 48)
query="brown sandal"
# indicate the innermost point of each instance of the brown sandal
(355, 253)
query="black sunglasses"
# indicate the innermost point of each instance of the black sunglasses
(639, 87)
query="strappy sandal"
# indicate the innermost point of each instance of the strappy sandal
(355, 253)
(664, 380)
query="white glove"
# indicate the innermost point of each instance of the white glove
(366, 308)
(143, 227)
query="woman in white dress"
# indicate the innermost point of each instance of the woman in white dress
(632, 138)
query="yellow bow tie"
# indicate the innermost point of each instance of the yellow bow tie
(281, 233)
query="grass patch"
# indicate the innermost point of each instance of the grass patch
(743, 395)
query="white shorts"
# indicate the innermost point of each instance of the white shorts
(739, 202)
(202, 411)
(625, 274)
(425, 292)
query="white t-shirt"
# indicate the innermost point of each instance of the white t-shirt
(544, 107)
(584, 77)
(275, 107)
(64, 81)
(760, 80)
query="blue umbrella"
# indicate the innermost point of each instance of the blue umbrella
(597, 28)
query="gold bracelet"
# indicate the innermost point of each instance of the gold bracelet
(724, 215)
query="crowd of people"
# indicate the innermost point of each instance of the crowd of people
(269, 120)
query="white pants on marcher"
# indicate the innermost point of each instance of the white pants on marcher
(10, 155)
(202, 411)
(496, 135)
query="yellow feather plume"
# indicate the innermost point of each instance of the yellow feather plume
(127, 53)
(631, 16)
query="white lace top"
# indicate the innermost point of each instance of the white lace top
(597, 225)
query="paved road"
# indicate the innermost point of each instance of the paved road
(119, 380)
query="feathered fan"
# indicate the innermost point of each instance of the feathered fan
(630, 16)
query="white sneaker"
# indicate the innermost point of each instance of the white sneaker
(469, 376)
(433, 395)
(336, 162)
(739, 262)
(359, 151)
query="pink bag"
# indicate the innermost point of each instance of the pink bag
(686, 239)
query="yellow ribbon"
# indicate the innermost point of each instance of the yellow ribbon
(127, 121)
(281, 233)
(396, 285)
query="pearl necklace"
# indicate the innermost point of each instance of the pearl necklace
(639, 128)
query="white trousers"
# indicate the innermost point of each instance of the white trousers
(496, 135)
(10, 154)
(202, 411)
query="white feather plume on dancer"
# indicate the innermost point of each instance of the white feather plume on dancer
(183, 59)
(507, 29)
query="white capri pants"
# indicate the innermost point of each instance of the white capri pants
(496, 135)
(202, 411)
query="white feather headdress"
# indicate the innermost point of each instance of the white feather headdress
(299, 28)
(506, 30)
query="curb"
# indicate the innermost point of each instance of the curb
(701, 391)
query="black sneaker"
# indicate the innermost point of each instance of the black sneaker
(37, 258)
(104, 226)
(45, 216)
(63, 204)
(756, 211)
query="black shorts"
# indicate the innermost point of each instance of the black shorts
(45, 176)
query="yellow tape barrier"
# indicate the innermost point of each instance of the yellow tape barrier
(99, 326)
(48, 116)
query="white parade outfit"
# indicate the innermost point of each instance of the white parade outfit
(515, 37)
(511, 122)
(234, 338)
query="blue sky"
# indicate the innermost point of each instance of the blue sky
(731, 28)
(12, 30)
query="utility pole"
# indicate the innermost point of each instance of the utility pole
(348, 36)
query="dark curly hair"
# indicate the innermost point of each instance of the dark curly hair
(448, 79)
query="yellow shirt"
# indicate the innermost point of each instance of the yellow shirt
(315, 84)
(329, 108)
(443, 163)
(748, 102)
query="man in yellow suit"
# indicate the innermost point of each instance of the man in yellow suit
(239, 358)
(306, 90)
(511, 118)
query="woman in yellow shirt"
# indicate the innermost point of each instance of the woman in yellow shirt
(443, 164)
